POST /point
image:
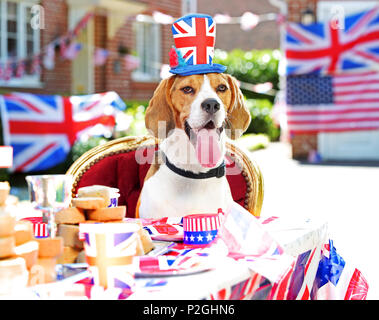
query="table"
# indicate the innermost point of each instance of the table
(295, 259)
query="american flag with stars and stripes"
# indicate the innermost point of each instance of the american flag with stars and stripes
(337, 279)
(344, 102)
(329, 48)
(195, 38)
(42, 128)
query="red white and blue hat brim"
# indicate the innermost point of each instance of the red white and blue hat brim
(185, 28)
(198, 69)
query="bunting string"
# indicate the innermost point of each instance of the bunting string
(69, 47)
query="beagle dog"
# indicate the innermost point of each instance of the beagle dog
(193, 115)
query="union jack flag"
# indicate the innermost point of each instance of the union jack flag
(42, 129)
(165, 228)
(194, 36)
(328, 48)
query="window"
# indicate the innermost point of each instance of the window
(148, 44)
(18, 40)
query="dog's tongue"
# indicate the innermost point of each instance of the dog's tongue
(207, 148)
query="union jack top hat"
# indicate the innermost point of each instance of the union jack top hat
(194, 38)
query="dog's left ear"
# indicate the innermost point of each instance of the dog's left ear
(238, 116)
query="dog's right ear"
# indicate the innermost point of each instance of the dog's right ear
(159, 118)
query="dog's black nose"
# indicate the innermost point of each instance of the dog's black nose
(210, 106)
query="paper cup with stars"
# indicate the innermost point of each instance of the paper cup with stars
(200, 229)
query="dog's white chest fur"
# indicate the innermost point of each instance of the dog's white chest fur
(166, 194)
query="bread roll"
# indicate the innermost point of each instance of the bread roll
(98, 191)
(139, 249)
(28, 251)
(13, 275)
(146, 241)
(70, 216)
(7, 245)
(107, 214)
(69, 255)
(81, 258)
(7, 222)
(89, 203)
(70, 235)
(23, 232)
(50, 247)
(48, 265)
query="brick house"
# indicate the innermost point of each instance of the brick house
(362, 145)
(113, 28)
(264, 36)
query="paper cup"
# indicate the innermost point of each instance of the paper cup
(109, 250)
(200, 229)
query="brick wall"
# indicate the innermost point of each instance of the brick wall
(264, 36)
(122, 82)
(100, 42)
(58, 80)
(296, 7)
(301, 143)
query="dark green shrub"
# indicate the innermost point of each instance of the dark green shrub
(261, 120)
(81, 147)
(254, 67)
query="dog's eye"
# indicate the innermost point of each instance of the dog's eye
(221, 88)
(188, 89)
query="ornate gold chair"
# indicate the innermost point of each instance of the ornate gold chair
(124, 162)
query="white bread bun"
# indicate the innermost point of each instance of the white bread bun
(28, 251)
(98, 191)
(69, 255)
(23, 232)
(107, 214)
(70, 216)
(89, 203)
(50, 247)
(7, 222)
(70, 235)
(13, 275)
(7, 245)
